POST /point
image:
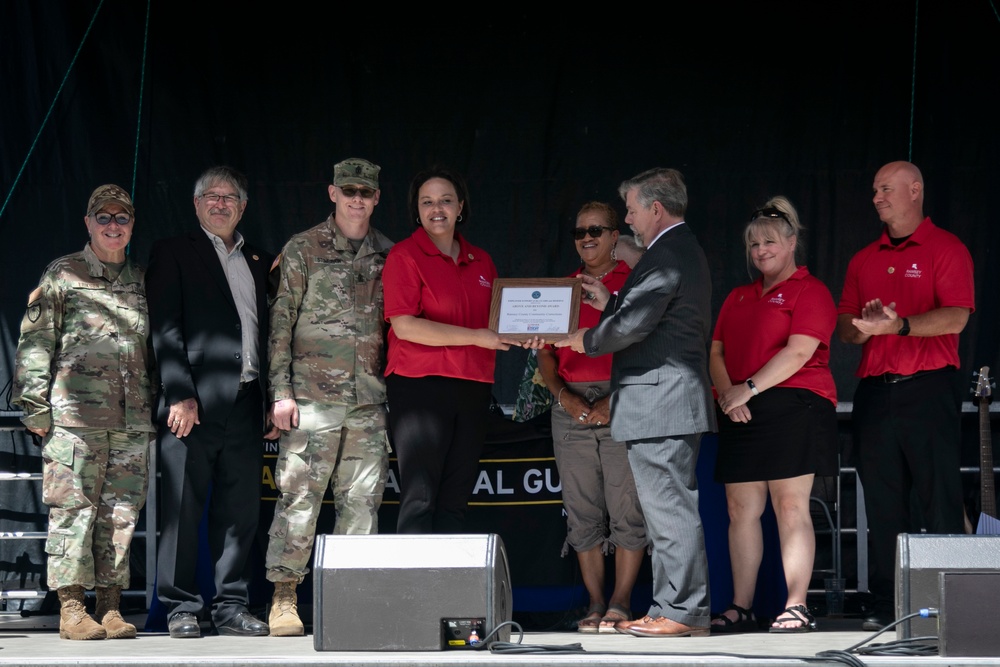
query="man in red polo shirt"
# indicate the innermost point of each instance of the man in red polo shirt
(906, 298)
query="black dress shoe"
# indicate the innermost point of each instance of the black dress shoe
(882, 614)
(876, 621)
(183, 625)
(243, 624)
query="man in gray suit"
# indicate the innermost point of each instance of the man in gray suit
(658, 328)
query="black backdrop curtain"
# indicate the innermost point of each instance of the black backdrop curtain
(542, 110)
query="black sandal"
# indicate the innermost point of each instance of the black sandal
(745, 621)
(798, 613)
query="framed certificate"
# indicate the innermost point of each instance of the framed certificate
(523, 308)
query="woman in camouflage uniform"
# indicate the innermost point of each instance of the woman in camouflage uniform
(83, 382)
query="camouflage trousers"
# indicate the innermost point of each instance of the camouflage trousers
(343, 447)
(94, 482)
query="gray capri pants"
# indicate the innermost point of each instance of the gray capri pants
(598, 489)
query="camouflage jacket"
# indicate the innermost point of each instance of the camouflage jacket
(327, 339)
(83, 359)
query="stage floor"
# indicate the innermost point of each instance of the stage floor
(43, 648)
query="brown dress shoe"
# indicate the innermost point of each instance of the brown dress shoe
(660, 627)
(622, 626)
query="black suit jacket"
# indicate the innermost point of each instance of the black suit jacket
(196, 328)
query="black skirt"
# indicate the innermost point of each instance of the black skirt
(791, 432)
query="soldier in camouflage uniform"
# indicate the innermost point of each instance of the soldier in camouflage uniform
(83, 382)
(326, 384)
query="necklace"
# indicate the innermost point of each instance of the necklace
(600, 277)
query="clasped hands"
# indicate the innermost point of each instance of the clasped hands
(597, 413)
(733, 402)
(877, 319)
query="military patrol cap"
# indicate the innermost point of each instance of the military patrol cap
(106, 194)
(355, 171)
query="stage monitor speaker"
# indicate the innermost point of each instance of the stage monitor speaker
(409, 592)
(920, 559)
(968, 614)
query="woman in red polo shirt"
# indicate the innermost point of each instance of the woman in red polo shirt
(602, 505)
(441, 356)
(778, 421)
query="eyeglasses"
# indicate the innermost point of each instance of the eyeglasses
(213, 199)
(594, 231)
(352, 191)
(769, 212)
(106, 219)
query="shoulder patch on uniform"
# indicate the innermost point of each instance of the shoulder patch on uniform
(276, 262)
(35, 304)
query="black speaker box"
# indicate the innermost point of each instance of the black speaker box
(920, 559)
(968, 614)
(409, 592)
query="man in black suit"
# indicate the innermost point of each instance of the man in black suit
(658, 329)
(207, 294)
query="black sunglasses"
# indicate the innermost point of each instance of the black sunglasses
(594, 231)
(106, 218)
(351, 190)
(769, 212)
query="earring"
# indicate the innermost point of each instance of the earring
(459, 218)
(614, 253)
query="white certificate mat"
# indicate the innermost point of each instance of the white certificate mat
(545, 307)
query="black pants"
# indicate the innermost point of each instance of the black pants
(219, 463)
(437, 425)
(908, 438)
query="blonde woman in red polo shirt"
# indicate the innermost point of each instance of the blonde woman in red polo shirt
(441, 357)
(778, 423)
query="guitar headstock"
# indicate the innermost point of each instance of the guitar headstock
(983, 385)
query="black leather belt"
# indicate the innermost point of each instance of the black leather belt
(893, 378)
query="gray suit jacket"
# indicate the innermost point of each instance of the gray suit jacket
(659, 329)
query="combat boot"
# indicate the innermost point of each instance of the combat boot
(107, 612)
(74, 623)
(284, 618)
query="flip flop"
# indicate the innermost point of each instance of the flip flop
(798, 613)
(590, 623)
(614, 614)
